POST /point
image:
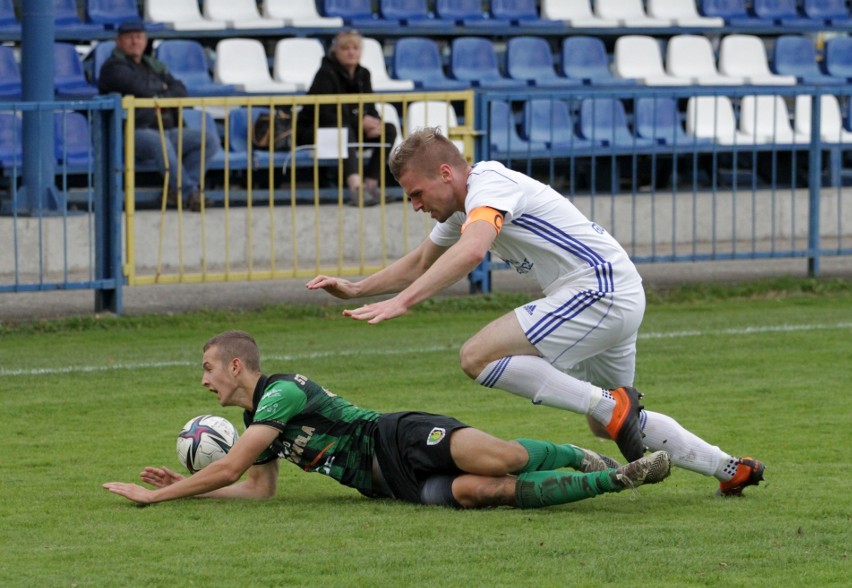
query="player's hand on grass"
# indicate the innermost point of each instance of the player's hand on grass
(335, 286)
(378, 311)
(160, 477)
(133, 492)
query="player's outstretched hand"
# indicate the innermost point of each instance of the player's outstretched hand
(160, 477)
(335, 286)
(133, 492)
(377, 312)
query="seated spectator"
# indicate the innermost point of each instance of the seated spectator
(341, 73)
(130, 71)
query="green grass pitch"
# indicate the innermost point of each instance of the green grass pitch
(762, 369)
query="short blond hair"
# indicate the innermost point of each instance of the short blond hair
(344, 36)
(231, 344)
(424, 151)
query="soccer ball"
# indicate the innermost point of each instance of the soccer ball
(203, 440)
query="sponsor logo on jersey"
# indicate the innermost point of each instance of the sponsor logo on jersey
(598, 228)
(530, 308)
(436, 435)
(522, 267)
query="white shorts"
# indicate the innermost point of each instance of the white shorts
(588, 334)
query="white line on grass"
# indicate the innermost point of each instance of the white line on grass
(80, 369)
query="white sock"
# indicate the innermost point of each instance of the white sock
(534, 378)
(602, 410)
(687, 450)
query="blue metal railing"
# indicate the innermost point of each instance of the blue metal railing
(68, 235)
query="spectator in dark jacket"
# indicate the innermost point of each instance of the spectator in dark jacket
(341, 73)
(129, 71)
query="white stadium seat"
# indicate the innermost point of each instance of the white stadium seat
(712, 117)
(373, 58)
(638, 57)
(243, 63)
(297, 61)
(299, 13)
(575, 13)
(768, 120)
(180, 15)
(629, 13)
(692, 56)
(683, 13)
(744, 56)
(831, 129)
(239, 14)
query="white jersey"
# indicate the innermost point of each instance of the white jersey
(543, 234)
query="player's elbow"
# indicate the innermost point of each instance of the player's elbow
(476, 256)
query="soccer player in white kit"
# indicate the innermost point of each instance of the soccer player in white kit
(573, 349)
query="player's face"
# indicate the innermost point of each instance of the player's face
(431, 193)
(217, 377)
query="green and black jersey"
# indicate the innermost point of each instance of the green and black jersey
(318, 430)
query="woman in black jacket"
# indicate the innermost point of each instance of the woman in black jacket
(341, 73)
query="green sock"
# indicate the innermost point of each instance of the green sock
(538, 489)
(545, 455)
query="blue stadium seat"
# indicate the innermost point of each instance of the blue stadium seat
(604, 120)
(187, 61)
(795, 55)
(585, 59)
(474, 60)
(467, 14)
(530, 59)
(10, 74)
(73, 142)
(110, 13)
(193, 119)
(9, 23)
(68, 23)
(412, 14)
(11, 144)
(238, 129)
(831, 12)
(735, 14)
(101, 52)
(657, 118)
(357, 13)
(783, 13)
(69, 79)
(838, 58)
(550, 122)
(503, 136)
(418, 59)
(522, 13)
(199, 120)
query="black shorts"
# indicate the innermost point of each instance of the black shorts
(411, 447)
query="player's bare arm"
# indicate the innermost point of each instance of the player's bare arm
(216, 476)
(393, 278)
(459, 260)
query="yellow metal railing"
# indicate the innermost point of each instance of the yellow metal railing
(282, 230)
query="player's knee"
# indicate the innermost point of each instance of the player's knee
(471, 362)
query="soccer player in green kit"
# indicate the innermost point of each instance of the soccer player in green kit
(411, 456)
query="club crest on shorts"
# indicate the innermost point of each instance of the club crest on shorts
(436, 435)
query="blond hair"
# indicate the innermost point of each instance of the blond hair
(343, 37)
(423, 151)
(231, 344)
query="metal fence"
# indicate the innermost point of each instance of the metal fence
(663, 190)
(60, 213)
